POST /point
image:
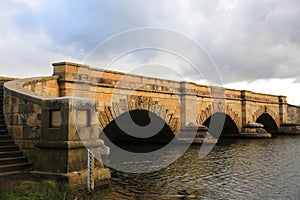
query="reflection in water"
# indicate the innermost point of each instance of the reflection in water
(235, 169)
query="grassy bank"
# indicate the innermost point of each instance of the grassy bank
(46, 189)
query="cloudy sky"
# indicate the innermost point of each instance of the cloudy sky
(255, 44)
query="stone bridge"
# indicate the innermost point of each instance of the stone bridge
(179, 104)
(53, 119)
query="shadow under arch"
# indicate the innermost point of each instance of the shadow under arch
(268, 122)
(229, 126)
(125, 141)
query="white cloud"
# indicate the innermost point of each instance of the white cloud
(33, 4)
(285, 87)
(249, 40)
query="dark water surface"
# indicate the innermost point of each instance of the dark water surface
(234, 169)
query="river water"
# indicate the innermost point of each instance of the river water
(234, 169)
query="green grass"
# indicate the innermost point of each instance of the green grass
(48, 189)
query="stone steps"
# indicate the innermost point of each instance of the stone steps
(6, 142)
(5, 137)
(3, 132)
(2, 126)
(7, 148)
(14, 167)
(12, 160)
(10, 173)
(10, 154)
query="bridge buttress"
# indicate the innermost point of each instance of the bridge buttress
(283, 107)
(245, 108)
(188, 116)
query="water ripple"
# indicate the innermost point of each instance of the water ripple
(235, 169)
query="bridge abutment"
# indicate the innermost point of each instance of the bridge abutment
(54, 133)
(69, 129)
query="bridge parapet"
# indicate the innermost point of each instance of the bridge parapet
(72, 73)
(258, 97)
(44, 86)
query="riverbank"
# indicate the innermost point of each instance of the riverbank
(29, 186)
(10, 181)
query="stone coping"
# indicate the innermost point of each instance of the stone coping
(5, 79)
(70, 63)
(16, 88)
(29, 81)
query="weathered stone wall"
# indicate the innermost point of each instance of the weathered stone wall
(184, 103)
(46, 86)
(23, 109)
(23, 118)
(3, 80)
(293, 114)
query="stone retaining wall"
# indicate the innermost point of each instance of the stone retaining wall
(43, 126)
(23, 109)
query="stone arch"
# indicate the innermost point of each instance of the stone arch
(130, 134)
(205, 114)
(268, 121)
(261, 110)
(133, 102)
(229, 128)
